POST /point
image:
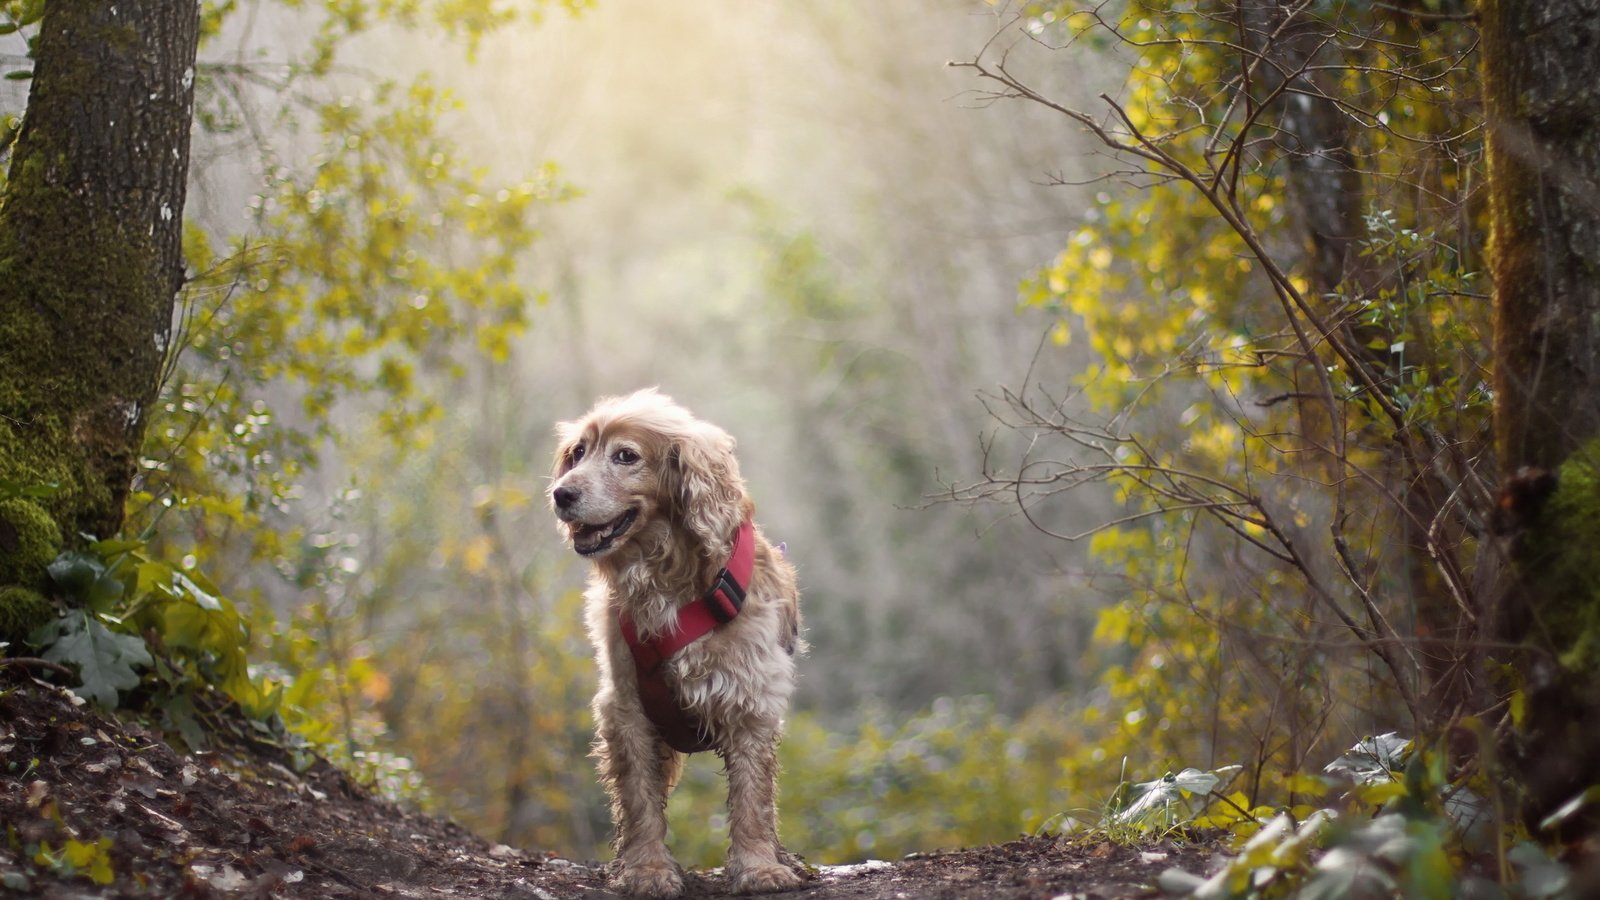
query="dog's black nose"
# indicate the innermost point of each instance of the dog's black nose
(565, 497)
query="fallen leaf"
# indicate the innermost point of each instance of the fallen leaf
(228, 879)
(103, 766)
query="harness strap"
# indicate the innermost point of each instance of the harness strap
(696, 619)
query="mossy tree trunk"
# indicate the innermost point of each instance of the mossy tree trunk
(1541, 70)
(90, 262)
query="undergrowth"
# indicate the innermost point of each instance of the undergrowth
(156, 639)
(1389, 820)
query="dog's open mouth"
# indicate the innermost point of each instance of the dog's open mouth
(591, 539)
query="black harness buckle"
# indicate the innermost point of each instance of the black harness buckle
(725, 598)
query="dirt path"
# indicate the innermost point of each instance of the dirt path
(102, 808)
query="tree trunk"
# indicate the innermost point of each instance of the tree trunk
(90, 260)
(1541, 71)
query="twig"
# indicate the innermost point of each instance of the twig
(34, 662)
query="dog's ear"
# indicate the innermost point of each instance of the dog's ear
(702, 481)
(567, 435)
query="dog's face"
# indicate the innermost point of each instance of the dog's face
(607, 486)
(638, 463)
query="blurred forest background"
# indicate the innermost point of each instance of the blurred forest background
(1073, 496)
(424, 237)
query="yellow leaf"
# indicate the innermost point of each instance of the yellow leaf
(1381, 793)
(92, 859)
(1301, 783)
(475, 555)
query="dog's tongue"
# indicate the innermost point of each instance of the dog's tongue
(590, 537)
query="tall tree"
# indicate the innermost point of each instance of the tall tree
(1540, 68)
(90, 262)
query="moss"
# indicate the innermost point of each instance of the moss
(66, 391)
(29, 540)
(41, 453)
(1568, 570)
(21, 611)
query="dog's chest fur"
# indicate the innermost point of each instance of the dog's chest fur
(744, 668)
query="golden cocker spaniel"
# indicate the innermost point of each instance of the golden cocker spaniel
(690, 656)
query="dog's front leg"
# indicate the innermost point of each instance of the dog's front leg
(753, 864)
(635, 766)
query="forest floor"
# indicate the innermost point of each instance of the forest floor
(94, 806)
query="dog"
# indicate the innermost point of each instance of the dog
(652, 497)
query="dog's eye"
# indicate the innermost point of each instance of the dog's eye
(625, 457)
(577, 454)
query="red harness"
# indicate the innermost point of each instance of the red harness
(717, 606)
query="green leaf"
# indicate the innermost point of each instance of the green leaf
(180, 715)
(197, 628)
(152, 576)
(108, 548)
(19, 75)
(105, 659)
(103, 595)
(76, 572)
(86, 578)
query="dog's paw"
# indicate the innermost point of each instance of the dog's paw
(764, 879)
(657, 880)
